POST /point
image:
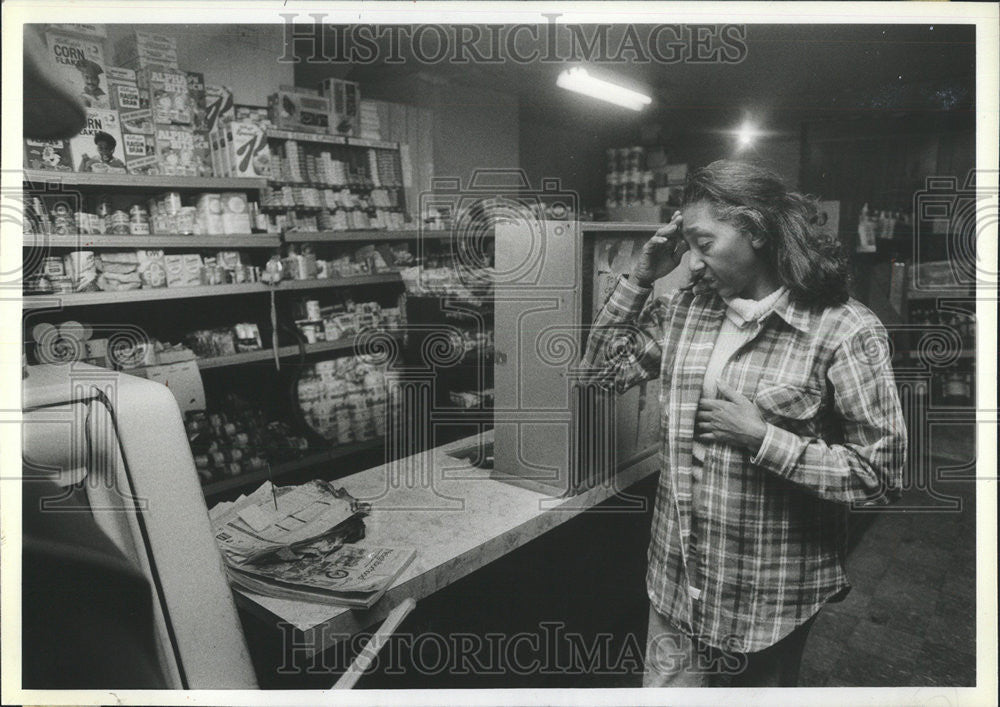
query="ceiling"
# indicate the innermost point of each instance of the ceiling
(786, 70)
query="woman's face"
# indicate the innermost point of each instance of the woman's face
(721, 255)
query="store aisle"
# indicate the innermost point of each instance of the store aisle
(911, 617)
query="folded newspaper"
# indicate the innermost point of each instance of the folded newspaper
(300, 542)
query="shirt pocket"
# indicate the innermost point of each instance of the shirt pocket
(789, 402)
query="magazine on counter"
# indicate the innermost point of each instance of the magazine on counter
(302, 542)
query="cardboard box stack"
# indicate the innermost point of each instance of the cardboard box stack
(344, 100)
(132, 104)
(294, 108)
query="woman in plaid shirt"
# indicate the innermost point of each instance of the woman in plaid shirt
(778, 411)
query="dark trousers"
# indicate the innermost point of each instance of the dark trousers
(674, 659)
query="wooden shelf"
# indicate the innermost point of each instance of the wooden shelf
(283, 352)
(103, 298)
(376, 279)
(257, 477)
(619, 227)
(248, 240)
(347, 140)
(361, 235)
(145, 181)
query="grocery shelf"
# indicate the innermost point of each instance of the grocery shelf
(145, 181)
(102, 298)
(618, 227)
(361, 235)
(302, 136)
(283, 352)
(218, 487)
(83, 299)
(376, 279)
(167, 240)
(276, 134)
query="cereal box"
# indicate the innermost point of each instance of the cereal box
(80, 64)
(202, 154)
(248, 152)
(146, 49)
(98, 147)
(152, 270)
(98, 31)
(47, 154)
(168, 95)
(218, 106)
(124, 90)
(294, 108)
(254, 114)
(175, 150)
(196, 90)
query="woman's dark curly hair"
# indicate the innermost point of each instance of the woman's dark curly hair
(810, 263)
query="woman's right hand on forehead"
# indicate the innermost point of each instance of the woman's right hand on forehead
(660, 254)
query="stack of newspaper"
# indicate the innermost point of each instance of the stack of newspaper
(300, 542)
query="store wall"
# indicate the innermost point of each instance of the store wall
(242, 57)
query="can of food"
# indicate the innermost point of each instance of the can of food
(185, 219)
(312, 310)
(170, 202)
(138, 227)
(119, 223)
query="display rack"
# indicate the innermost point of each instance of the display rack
(247, 240)
(283, 352)
(144, 181)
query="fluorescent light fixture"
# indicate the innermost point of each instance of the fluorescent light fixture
(577, 79)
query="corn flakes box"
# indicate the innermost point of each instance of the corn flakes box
(80, 64)
(98, 148)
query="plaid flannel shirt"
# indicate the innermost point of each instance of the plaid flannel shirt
(765, 548)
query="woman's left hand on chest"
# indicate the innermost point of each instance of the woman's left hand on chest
(731, 418)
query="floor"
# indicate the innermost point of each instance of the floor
(911, 617)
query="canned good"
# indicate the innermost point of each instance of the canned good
(171, 202)
(119, 224)
(53, 266)
(185, 219)
(138, 228)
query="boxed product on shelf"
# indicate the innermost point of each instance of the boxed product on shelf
(124, 90)
(143, 49)
(152, 270)
(219, 107)
(138, 135)
(209, 214)
(97, 31)
(175, 150)
(202, 154)
(199, 108)
(255, 114)
(81, 269)
(168, 94)
(47, 154)
(242, 150)
(344, 400)
(183, 270)
(79, 62)
(294, 108)
(246, 336)
(343, 102)
(235, 214)
(98, 147)
(369, 121)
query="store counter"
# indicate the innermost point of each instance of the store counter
(455, 516)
